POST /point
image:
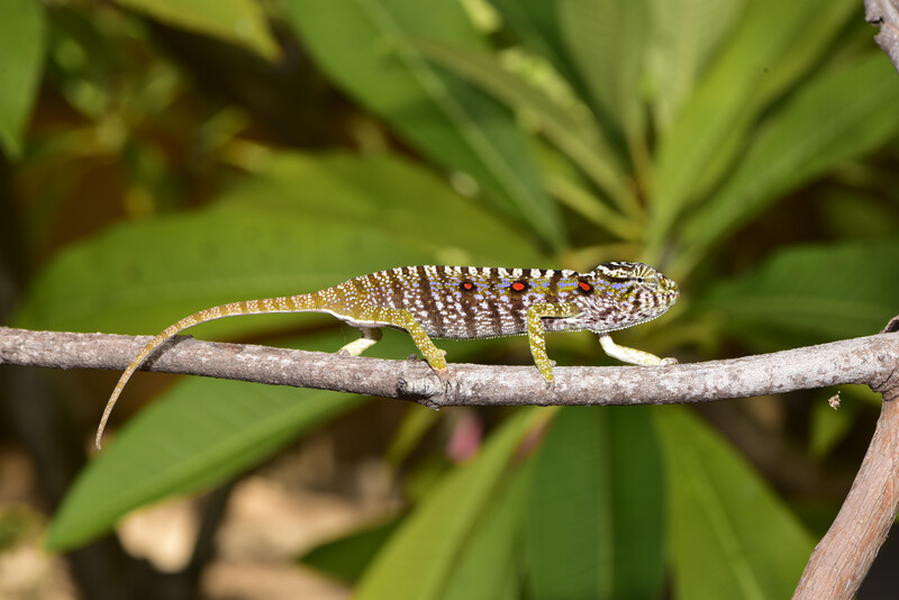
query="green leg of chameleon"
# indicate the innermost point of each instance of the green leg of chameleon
(632, 355)
(537, 333)
(404, 319)
(369, 338)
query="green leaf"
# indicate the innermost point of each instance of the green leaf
(685, 36)
(488, 567)
(21, 58)
(536, 23)
(347, 558)
(421, 559)
(574, 134)
(304, 224)
(594, 526)
(366, 47)
(239, 21)
(775, 44)
(730, 535)
(607, 41)
(200, 434)
(826, 123)
(819, 292)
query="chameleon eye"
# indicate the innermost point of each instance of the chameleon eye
(651, 281)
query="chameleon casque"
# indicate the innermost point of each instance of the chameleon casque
(467, 303)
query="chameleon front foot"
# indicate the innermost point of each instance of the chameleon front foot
(546, 370)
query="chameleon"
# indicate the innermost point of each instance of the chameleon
(450, 302)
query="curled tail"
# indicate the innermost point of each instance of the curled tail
(284, 304)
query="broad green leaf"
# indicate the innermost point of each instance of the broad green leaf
(420, 560)
(366, 47)
(582, 200)
(572, 132)
(21, 59)
(826, 123)
(240, 21)
(304, 224)
(536, 23)
(488, 568)
(607, 41)
(202, 433)
(730, 535)
(819, 292)
(594, 525)
(346, 558)
(775, 44)
(685, 36)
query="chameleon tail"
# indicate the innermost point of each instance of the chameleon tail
(284, 304)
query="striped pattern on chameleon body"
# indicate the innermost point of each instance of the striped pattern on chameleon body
(466, 303)
(476, 302)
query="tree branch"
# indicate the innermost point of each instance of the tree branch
(867, 360)
(885, 14)
(839, 562)
(842, 558)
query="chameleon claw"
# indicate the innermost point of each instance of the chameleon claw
(446, 379)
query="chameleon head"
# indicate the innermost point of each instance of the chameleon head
(627, 294)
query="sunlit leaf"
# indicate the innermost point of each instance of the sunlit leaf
(536, 23)
(776, 42)
(607, 41)
(239, 21)
(366, 47)
(685, 36)
(573, 133)
(303, 224)
(825, 124)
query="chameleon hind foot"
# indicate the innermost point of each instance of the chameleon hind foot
(369, 338)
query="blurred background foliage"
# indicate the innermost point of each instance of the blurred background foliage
(159, 158)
